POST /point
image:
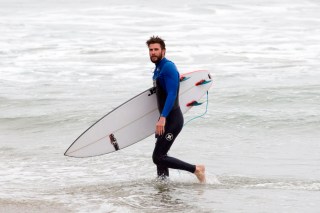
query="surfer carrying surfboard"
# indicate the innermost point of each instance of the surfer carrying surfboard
(167, 83)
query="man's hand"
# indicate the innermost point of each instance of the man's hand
(160, 126)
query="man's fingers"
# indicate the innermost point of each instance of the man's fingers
(160, 126)
(160, 130)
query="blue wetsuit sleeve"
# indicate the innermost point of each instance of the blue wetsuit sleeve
(171, 81)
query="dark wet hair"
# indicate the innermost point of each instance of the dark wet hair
(156, 40)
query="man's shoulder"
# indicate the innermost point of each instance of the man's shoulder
(170, 70)
(169, 65)
(168, 61)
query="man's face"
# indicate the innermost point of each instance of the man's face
(156, 53)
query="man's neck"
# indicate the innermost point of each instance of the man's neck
(160, 61)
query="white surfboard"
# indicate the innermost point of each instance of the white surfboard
(135, 119)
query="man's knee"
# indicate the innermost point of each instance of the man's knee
(157, 159)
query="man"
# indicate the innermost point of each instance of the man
(167, 82)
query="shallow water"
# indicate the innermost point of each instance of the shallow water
(63, 65)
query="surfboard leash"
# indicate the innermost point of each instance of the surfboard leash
(195, 103)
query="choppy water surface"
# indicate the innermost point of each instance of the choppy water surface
(63, 65)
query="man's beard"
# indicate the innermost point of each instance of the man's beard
(155, 59)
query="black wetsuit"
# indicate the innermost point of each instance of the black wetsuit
(167, 83)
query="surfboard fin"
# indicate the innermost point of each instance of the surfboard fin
(193, 103)
(183, 78)
(201, 82)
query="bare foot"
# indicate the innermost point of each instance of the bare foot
(200, 173)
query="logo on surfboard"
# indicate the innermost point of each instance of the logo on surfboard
(114, 142)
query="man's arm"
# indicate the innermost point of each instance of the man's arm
(171, 78)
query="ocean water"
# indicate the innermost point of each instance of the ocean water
(64, 64)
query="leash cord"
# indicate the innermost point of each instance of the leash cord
(199, 116)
